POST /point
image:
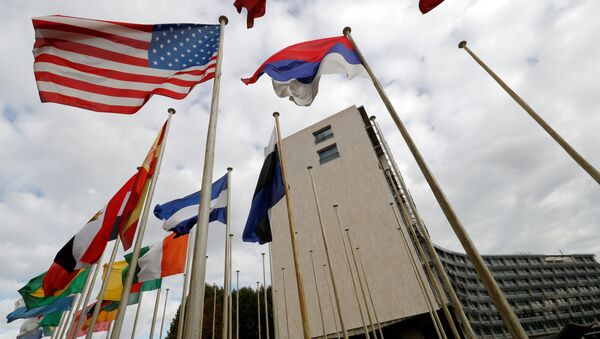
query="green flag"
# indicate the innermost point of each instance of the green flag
(138, 287)
(33, 294)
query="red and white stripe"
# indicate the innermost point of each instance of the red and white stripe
(103, 66)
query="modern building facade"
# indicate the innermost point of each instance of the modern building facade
(352, 170)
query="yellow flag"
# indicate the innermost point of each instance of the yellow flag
(115, 282)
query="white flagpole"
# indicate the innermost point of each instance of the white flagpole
(186, 280)
(325, 244)
(229, 292)
(162, 323)
(155, 313)
(110, 326)
(318, 294)
(237, 306)
(504, 309)
(141, 229)
(362, 269)
(63, 318)
(64, 333)
(214, 310)
(100, 297)
(193, 323)
(225, 328)
(137, 314)
(287, 319)
(258, 306)
(274, 302)
(362, 316)
(333, 314)
(266, 303)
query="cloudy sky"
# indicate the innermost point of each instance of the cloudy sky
(515, 190)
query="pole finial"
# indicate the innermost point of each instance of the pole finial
(391, 203)
(231, 234)
(335, 205)
(223, 19)
(262, 253)
(310, 251)
(229, 169)
(171, 111)
(462, 44)
(372, 118)
(347, 30)
(347, 229)
(276, 114)
(309, 168)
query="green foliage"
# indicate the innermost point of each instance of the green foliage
(248, 314)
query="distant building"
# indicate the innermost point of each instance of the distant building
(351, 169)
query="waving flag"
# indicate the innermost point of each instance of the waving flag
(116, 67)
(164, 258)
(182, 214)
(20, 312)
(255, 8)
(269, 190)
(296, 70)
(34, 295)
(427, 5)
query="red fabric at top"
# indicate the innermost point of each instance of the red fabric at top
(427, 5)
(256, 9)
(308, 51)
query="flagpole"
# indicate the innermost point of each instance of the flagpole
(230, 296)
(318, 294)
(155, 312)
(258, 307)
(274, 302)
(100, 297)
(591, 170)
(137, 314)
(141, 229)
(88, 292)
(109, 328)
(458, 309)
(265, 286)
(292, 229)
(237, 305)
(58, 332)
(186, 280)
(362, 288)
(325, 244)
(504, 309)
(362, 268)
(214, 310)
(162, 323)
(432, 312)
(287, 319)
(337, 331)
(193, 328)
(225, 328)
(63, 318)
(362, 316)
(417, 244)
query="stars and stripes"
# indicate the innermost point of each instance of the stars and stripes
(116, 67)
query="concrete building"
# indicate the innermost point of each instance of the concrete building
(352, 170)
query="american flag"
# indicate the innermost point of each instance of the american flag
(116, 67)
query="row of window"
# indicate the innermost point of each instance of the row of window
(329, 152)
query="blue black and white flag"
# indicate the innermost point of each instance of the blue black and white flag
(182, 214)
(269, 190)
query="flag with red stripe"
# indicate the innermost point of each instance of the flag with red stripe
(116, 67)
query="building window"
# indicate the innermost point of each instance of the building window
(328, 153)
(323, 134)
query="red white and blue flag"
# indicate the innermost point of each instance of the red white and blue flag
(116, 67)
(296, 70)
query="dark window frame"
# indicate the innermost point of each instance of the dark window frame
(327, 137)
(330, 157)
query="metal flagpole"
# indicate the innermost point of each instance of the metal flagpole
(591, 170)
(408, 222)
(258, 306)
(318, 294)
(58, 332)
(237, 305)
(504, 309)
(432, 313)
(299, 283)
(362, 269)
(333, 314)
(100, 297)
(162, 322)
(137, 314)
(141, 229)
(325, 244)
(230, 290)
(274, 302)
(214, 310)
(287, 319)
(186, 280)
(362, 316)
(88, 293)
(193, 328)
(225, 328)
(458, 309)
(110, 327)
(266, 304)
(154, 314)
(63, 318)
(362, 288)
